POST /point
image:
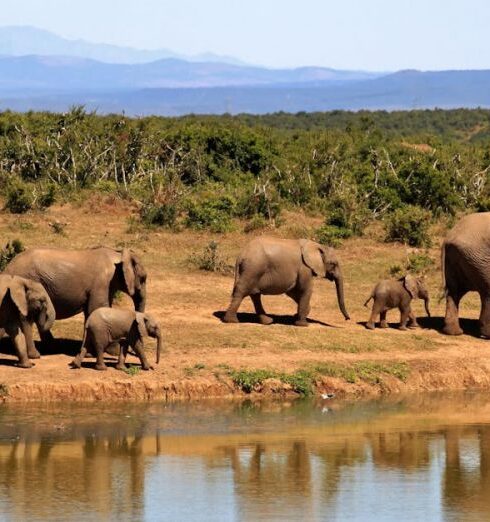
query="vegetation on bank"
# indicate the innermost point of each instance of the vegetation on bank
(403, 168)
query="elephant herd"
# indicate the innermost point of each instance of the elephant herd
(44, 284)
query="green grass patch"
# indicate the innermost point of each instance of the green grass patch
(132, 370)
(303, 380)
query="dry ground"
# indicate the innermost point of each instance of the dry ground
(201, 352)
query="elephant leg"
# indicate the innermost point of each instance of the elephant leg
(32, 351)
(304, 307)
(259, 310)
(404, 316)
(236, 301)
(99, 354)
(451, 321)
(123, 352)
(19, 341)
(77, 361)
(412, 320)
(375, 311)
(382, 317)
(139, 350)
(485, 316)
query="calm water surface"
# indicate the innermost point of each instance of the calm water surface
(423, 458)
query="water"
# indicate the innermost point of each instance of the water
(423, 458)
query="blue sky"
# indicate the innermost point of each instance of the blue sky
(348, 34)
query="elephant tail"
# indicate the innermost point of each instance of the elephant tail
(237, 274)
(443, 268)
(368, 299)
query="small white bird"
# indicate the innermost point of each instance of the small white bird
(326, 396)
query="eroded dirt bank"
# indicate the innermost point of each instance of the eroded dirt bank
(53, 382)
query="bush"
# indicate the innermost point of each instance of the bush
(161, 215)
(210, 260)
(409, 225)
(11, 249)
(418, 263)
(19, 198)
(332, 235)
(47, 196)
(213, 214)
(256, 223)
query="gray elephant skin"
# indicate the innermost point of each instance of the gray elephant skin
(390, 293)
(82, 280)
(108, 325)
(272, 266)
(23, 302)
(465, 261)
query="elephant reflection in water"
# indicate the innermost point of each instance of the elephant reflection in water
(406, 450)
(467, 489)
(268, 472)
(93, 471)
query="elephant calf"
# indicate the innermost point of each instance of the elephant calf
(388, 294)
(107, 325)
(23, 301)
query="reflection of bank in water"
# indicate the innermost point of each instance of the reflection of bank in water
(253, 463)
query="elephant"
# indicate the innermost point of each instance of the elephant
(107, 325)
(81, 280)
(465, 262)
(24, 301)
(389, 293)
(272, 266)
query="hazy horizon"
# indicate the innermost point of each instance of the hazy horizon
(353, 34)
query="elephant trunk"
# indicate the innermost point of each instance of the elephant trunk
(339, 285)
(46, 318)
(426, 303)
(159, 346)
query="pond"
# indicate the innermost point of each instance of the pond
(418, 458)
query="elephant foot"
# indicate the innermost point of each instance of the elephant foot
(402, 328)
(121, 367)
(24, 364)
(301, 322)
(34, 354)
(452, 329)
(265, 319)
(414, 325)
(147, 368)
(383, 324)
(101, 367)
(76, 365)
(370, 326)
(230, 318)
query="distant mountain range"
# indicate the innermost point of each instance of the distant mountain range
(26, 40)
(45, 72)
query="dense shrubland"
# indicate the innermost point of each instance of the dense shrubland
(404, 168)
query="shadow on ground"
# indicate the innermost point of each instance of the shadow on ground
(286, 320)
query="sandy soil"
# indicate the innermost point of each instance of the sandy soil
(201, 351)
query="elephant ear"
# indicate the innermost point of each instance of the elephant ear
(410, 284)
(128, 270)
(140, 322)
(5, 281)
(18, 294)
(312, 255)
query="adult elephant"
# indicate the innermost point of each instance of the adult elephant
(466, 267)
(82, 280)
(283, 266)
(23, 301)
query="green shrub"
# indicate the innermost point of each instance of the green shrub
(409, 225)
(213, 214)
(19, 198)
(9, 251)
(256, 223)
(418, 263)
(47, 196)
(210, 260)
(160, 215)
(331, 235)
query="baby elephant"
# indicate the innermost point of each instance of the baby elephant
(105, 326)
(389, 294)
